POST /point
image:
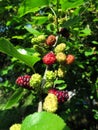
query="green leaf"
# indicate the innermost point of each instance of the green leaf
(39, 20)
(62, 86)
(18, 37)
(32, 30)
(95, 42)
(59, 82)
(72, 21)
(67, 4)
(14, 98)
(8, 48)
(85, 32)
(89, 52)
(31, 6)
(43, 121)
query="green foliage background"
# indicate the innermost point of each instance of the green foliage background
(19, 22)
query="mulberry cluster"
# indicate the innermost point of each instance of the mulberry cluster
(23, 81)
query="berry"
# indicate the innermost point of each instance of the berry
(41, 38)
(49, 58)
(35, 81)
(64, 32)
(60, 48)
(53, 91)
(23, 81)
(50, 17)
(50, 103)
(61, 95)
(61, 72)
(61, 57)
(50, 76)
(70, 59)
(51, 40)
(15, 127)
(34, 40)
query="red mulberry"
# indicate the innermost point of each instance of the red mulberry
(70, 59)
(49, 58)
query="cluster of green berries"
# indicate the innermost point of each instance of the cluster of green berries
(50, 77)
(40, 38)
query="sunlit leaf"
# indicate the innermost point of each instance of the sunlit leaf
(59, 82)
(43, 121)
(32, 30)
(31, 6)
(8, 48)
(67, 4)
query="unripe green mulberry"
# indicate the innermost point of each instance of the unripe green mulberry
(50, 75)
(41, 38)
(35, 80)
(60, 48)
(38, 39)
(61, 57)
(15, 127)
(34, 40)
(48, 84)
(61, 72)
(51, 103)
(50, 17)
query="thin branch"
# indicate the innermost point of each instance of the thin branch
(57, 16)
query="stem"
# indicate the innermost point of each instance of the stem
(33, 70)
(40, 105)
(57, 16)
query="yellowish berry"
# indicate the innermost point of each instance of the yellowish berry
(51, 103)
(61, 72)
(60, 48)
(15, 127)
(61, 57)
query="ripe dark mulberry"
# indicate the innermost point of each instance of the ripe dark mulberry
(64, 32)
(23, 81)
(61, 95)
